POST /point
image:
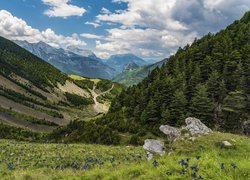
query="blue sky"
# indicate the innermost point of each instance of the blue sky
(151, 29)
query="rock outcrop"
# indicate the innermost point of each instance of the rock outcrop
(195, 126)
(154, 146)
(171, 132)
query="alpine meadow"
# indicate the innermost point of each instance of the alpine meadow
(125, 89)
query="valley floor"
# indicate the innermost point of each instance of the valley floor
(207, 159)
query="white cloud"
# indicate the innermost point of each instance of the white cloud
(103, 55)
(91, 36)
(144, 42)
(105, 11)
(14, 28)
(158, 27)
(95, 24)
(62, 8)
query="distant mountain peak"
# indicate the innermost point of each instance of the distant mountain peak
(130, 66)
(119, 61)
(82, 52)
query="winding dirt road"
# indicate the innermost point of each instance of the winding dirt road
(99, 107)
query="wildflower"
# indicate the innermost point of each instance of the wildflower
(112, 159)
(181, 162)
(201, 147)
(86, 166)
(155, 163)
(187, 159)
(186, 165)
(234, 166)
(182, 171)
(194, 168)
(10, 166)
(222, 166)
(193, 175)
(198, 157)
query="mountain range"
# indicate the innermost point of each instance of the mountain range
(119, 61)
(70, 62)
(80, 61)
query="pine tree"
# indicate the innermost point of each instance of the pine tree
(151, 114)
(234, 110)
(194, 80)
(178, 108)
(213, 85)
(201, 105)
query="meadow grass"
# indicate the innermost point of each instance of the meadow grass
(20, 160)
(76, 77)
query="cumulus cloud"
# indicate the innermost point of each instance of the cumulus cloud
(95, 24)
(91, 36)
(105, 11)
(14, 28)
(62, 8)
(157, 28)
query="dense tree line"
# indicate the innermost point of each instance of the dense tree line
(77, 100)
(85, 132)
(209, 80)
(11, 132)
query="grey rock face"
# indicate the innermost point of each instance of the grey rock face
(154, 146)
(195, 126)
(171, 132)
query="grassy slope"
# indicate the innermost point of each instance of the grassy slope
(76, 77)
(127, 164)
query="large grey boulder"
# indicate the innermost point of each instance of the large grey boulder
(154, 146)
(195, 126)
(171, 132)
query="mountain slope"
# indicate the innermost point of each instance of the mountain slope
(129, 78)
(208, 80)
(35, 96)
(69, 62)
(119, 61)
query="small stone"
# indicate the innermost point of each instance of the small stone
(227, 144)
(149, 156)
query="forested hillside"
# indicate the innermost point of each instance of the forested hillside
(209, 80)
